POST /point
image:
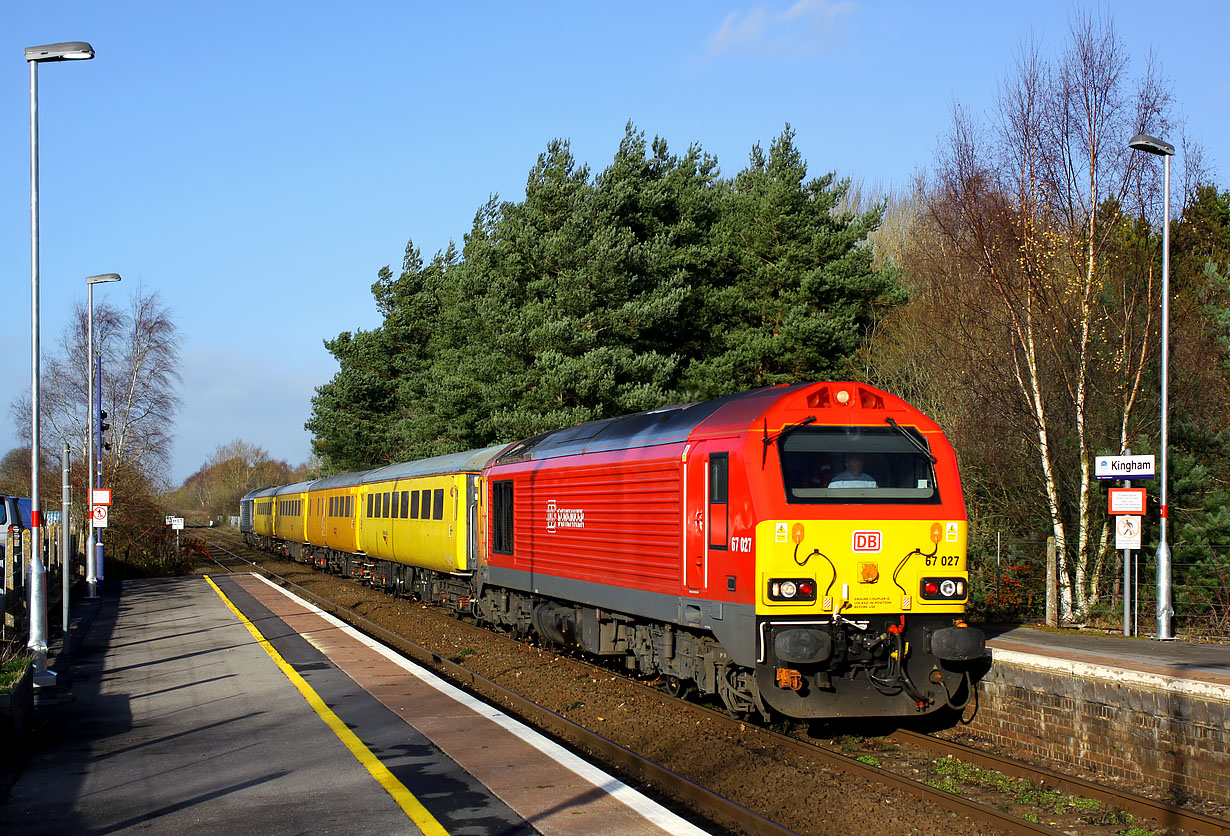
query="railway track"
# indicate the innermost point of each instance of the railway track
(1002, 816)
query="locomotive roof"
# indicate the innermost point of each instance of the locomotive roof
(467, 461)
(667, 425)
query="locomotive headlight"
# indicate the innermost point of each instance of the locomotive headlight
(791, 590)
(942, 589)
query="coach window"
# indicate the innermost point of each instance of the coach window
(719, 500)
(396, 505)
(502, 517)
(414, 505)
(425, 507)
(437, 505)
(405, 505)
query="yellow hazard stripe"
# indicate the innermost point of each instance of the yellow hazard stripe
(405, 799)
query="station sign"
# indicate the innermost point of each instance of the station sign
(1123, 467)
(1126, 500)
(100, 496)
(98, 516)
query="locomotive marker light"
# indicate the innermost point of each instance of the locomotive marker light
(35, 55)
(1165, 607)
(92, 556)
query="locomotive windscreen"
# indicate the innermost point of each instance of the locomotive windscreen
(856, 464)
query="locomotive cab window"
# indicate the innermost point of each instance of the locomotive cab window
(857, 465)
(719, 499)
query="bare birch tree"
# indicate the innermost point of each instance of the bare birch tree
(139, 347)
(1028, 237)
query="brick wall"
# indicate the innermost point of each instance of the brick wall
(1098, 728)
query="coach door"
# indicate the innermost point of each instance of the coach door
(709, 530)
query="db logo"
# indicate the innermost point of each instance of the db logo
(867, 541)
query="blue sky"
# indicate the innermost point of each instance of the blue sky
(258, 162)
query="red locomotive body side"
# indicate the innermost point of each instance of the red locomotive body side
(610, 518)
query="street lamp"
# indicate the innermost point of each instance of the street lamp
(35, 55)
(92, 562)
(1165, 603)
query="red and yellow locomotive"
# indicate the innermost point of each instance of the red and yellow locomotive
(798, 549)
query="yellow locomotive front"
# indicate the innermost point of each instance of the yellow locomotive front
(860, 545)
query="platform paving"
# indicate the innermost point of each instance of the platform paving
(184, 708)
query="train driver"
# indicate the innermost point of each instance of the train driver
(853, 476)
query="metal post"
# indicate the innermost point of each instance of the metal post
(66, 554)
(1165, 605)
(1127, 575)
(35, 515)
(91, 563)
(97, 473)
(38, 617)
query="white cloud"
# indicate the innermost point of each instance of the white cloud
(808, 27)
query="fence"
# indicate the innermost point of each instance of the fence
(1008, 583)
(14, 577)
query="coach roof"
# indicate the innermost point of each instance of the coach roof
(467, 461)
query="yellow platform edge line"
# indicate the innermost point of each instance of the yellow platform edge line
(405, 799)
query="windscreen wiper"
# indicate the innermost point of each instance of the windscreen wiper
(785, 431)
(918, 445)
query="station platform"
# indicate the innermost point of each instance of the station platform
(1148, 713)
(1193, 668)
(226, 704)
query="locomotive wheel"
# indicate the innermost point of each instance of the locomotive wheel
(681, 688)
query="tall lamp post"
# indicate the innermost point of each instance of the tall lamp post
(1165, 598)
(35, 55)
(91, 554)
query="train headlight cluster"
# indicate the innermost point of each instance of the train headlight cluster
(792, 589)
(942, 589)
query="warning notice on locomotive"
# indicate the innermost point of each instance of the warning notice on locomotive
(564, 517)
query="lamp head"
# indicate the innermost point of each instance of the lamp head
(102, 277)
(1151, 145)
(67, 51)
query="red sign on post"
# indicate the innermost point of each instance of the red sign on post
(100, 496)
(1127, 501)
